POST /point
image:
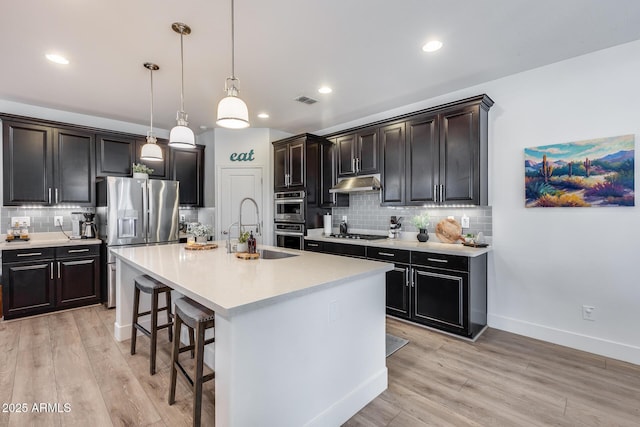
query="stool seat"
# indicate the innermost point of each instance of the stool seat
(192, 312)
(148, 284)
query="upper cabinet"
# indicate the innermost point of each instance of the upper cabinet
(289, 164)
(47, 165)
(115, 155)
(437, 156)
(357, 153)
(187, 166)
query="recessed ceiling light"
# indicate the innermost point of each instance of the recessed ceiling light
(325, 89)
(263, 115)
(432, 46)
(58, 59)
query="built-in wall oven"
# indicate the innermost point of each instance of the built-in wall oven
(289, 235)
(289, 207)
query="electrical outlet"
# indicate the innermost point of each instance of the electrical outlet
(183, 218)
(464, 221)
(21, 221)
(58, 221)
(588, 312)
(344, 218)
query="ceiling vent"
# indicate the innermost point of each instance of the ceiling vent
(306, 100)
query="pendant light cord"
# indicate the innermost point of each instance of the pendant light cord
(233, 49)
(181, 74)
(151, 126)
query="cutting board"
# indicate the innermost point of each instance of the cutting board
(247, 255)
(449, 231)
(197, 247)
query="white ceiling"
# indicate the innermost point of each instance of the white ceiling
(368, 51)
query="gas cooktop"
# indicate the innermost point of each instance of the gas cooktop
(356, 236)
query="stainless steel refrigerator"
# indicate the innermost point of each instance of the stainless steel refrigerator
(133, 211)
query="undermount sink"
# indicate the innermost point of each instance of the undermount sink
(268, 254)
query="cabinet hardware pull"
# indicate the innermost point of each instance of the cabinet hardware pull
(31, 254)
(49, 195)
(358, 164)
(56, 196)
(435, 193)
(58, 269)
(75, 251)
(314, 245)
(441, 193)
(413, 278)
(353, 164)
(437, 260)
(386, 254)
(51, 270)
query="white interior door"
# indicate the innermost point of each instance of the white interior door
(234, 184)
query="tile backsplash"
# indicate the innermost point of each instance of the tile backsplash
(41, 218)
(365, 213)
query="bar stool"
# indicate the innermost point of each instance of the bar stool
(149, 285)
(199, 318)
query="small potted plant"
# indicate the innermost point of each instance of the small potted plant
(200, 231)
(242, 242)
(421, 222)
(141, 171)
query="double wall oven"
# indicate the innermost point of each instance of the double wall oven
(289, 218)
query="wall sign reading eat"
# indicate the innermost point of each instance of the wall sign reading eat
(242, 157)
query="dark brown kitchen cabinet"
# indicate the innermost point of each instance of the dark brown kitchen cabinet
(28, 282)
(329, 177)
(187, 167)
(422, 160)
(46, 279)
(115, 155)
(392, 163)
(47, 165)
(289, 163)
(398, 301)
(160, 168)
(357, 153)
(77, 276)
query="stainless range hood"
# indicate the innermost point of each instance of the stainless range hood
(359, 183)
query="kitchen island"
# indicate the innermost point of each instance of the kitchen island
(299, 340)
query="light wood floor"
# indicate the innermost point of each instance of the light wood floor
(435, 380)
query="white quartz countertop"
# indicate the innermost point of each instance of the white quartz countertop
(44, 240)
(411, 245)
(230, 285)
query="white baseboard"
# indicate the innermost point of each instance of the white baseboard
(602, 347)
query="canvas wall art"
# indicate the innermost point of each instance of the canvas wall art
(591, 173)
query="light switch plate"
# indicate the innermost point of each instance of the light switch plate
(464, 221)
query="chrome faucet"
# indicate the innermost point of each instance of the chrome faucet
(257, 224)
(229, 236)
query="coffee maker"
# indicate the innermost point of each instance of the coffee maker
(76, 225)
(89, 226)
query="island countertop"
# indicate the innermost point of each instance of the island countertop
(230, 285)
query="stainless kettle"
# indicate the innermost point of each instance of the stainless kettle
(344, 229)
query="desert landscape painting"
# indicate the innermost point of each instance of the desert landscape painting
(591, 173)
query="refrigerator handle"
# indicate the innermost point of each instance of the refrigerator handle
(145, 210)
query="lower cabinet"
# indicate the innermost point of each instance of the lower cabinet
(40, 280)
(446, 292)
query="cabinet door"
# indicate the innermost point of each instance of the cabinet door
(441, 299)
(398, 291)
(367, 152)
(459, 156)
(312, 181)
(27, 163)
(422, 160)
(28, 288)
(77, 282)
(346, 155)
(296, 163)
(114, 156)
(280, 167)
(392, 163)
(187, 168)
(73, 154)
(161, 168)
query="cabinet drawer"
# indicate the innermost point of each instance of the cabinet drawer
(313, 246)
(24, 255)
(450, 262)
(77, 251)
(345, 249)
(387, 254)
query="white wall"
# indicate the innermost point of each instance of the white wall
(547, 262)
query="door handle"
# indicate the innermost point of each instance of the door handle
(51, 270)
(75, 251)
(386, 254)
(437, 260)
(58, 269)
(313, 245)
(441, 193)
(49, 195)
(435, 193)
(353, 164)
(56, 196)
(30, 254)
(357, 164)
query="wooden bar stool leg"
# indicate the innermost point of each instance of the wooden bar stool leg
(191, 342)
(154, 331)
(136, 309)
(175, 353)
(197, 386)
(169, 314)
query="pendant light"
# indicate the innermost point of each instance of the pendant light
(181, 136)
(151, 152)
(232, 111)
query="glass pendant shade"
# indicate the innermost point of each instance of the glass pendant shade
(151, 152)
(182, 137)
(232, 111)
